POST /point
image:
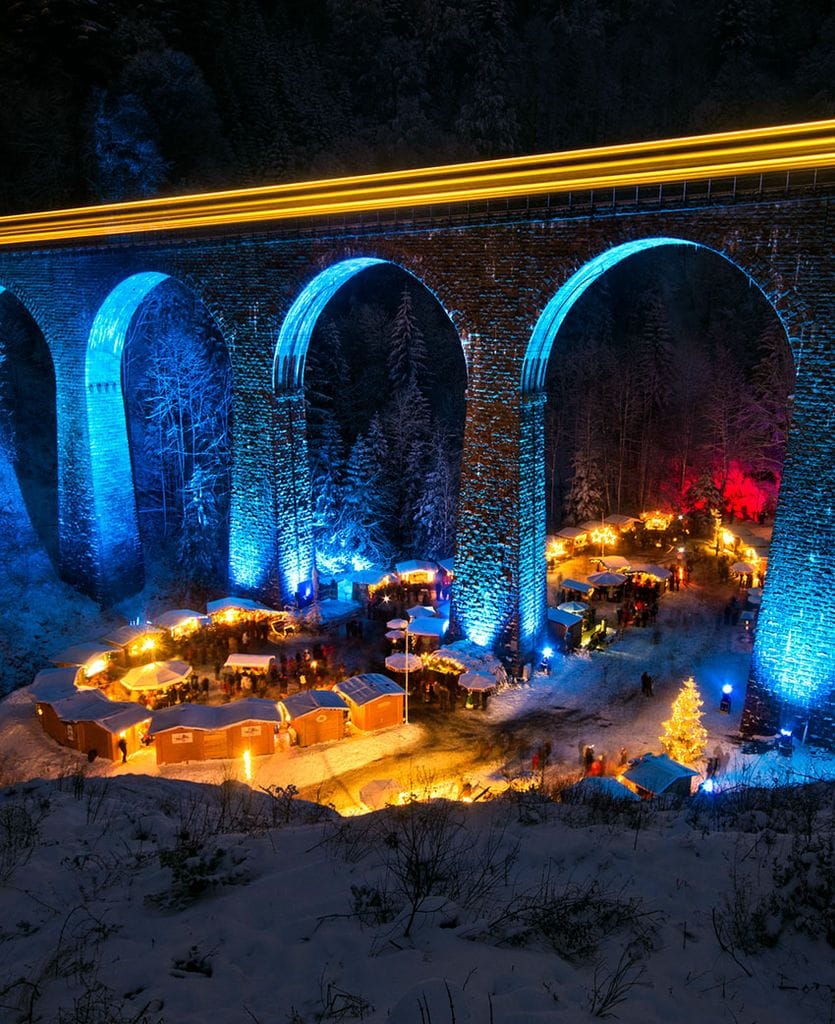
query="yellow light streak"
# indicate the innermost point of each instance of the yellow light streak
(722, 155)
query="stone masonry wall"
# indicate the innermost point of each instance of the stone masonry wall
(494, 280)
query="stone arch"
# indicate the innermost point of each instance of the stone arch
(540, 345)
(36, 471)
(117, 552)
(300, 321)
(532, 383)
(295, 554)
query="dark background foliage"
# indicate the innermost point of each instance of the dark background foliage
(105, 99)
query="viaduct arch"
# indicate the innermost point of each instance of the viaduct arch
(508, 273)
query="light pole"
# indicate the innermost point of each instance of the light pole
(402, 625)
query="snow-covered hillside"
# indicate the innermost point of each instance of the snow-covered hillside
(145, 900)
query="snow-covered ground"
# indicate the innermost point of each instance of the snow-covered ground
(179, 894)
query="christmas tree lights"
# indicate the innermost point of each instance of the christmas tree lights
(684, 736)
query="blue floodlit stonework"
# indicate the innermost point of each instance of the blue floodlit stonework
(507, 281)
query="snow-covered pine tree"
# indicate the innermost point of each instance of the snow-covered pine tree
(585, 496)
(407, 356)
(435, 516)
(327, 464)
(362, 518)
(684, 735)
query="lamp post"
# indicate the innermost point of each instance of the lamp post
(402, 625)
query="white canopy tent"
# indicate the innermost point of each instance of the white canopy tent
(158, 675)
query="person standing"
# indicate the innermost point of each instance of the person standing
(123, 746)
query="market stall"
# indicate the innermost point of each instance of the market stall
(199, 732)
(318, 716)
(374, 701)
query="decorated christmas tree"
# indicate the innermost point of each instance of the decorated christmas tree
(684, 736)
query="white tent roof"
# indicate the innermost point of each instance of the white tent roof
(421, 611)
(261, 662)
(156, 675)
(399, 662)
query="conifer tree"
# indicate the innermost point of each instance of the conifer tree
(684, 736)
(407, 357)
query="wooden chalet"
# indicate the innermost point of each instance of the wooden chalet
(318, 716)
(374, 701)
(198, 732)
(86, 720)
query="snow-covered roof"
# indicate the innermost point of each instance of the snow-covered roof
(590, 525)
(369, 686)
(584, 588)
(571, 532)
(241, 604)
(601, 786)
(615, 562)
(53, 684)
(93, 706)
(306, 701)
(414, 565)
(421, 611)
(176, 617)
(331, 611)
(371, 577)
(124, 636)
(657, 772)
(447, 564)
(204, 716)
(428, 627)
(618, 519)
(82, 654)
(562, 618)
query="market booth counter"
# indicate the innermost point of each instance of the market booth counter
(87, 721)
(318, 716)
(198, 732)
(374, 701)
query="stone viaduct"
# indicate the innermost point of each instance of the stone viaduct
(507, 269)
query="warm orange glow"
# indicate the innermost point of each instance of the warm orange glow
(721, 155)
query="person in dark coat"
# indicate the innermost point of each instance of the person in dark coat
(123, 746)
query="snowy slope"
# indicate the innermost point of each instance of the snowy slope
(139, 899)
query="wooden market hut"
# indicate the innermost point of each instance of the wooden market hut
(87, 721)
(374, 701)
(657, 774)
(198, 732)
(566, 627)
(134, 644)
(318, 716)
(576, 538)
(93, 657)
